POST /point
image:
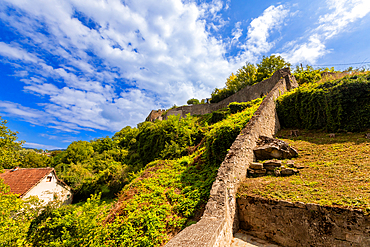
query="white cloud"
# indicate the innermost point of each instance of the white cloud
(16, 53)
(111, 63)
(261, 27)
(308, 52)
(237, 32)
(343, 13)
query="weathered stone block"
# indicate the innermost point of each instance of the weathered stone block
(288, 172)
(270, 165)
(256, 166)
(277, 173)
(271, 148)
(263, 171)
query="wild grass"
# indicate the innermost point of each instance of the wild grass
(336, 172)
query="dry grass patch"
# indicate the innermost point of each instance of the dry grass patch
(337, 172)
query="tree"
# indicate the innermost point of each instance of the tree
(32, 159)
(309, 74)
(78, 151)
(9, 146)
(245, 76)
(193, 102)
(126, 136)
(269, 65)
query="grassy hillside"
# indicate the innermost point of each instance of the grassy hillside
(170, 194)
(336, 168)
(165, 168)
(336, 172)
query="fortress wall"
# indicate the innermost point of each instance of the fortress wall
(298, 224)
(246, 94)
(220, 218)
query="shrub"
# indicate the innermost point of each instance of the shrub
(193, 102)
(238, 107)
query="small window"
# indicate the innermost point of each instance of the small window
(48, 178)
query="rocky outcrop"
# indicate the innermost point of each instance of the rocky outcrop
(272, 167)
(271, 148)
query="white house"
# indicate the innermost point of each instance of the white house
(40, 182)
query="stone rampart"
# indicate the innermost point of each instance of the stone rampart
(246, 94)
(298, 224)
(220, 218)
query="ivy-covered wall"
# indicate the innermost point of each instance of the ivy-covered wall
(337, 105)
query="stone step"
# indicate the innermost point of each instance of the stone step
(242, 239)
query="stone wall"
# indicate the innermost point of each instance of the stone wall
(246, 94)
(299, 224)
(220, 219)
(154, 115)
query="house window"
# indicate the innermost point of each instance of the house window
(48, 178)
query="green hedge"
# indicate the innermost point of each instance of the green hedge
(342, 104)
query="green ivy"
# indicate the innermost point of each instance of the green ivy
(337, 105)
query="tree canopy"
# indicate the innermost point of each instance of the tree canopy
(9, 157)
(248, 75)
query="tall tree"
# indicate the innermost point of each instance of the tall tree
(9, 146)
(269, 65)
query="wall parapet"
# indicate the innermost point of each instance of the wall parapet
(298, 224)
(220, 218)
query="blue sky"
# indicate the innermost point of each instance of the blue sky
(77, 70)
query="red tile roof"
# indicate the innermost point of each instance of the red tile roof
(22, 180)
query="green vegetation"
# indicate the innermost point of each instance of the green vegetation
(72, 225)
(92, 167)
(32, 159)
(311, 75)
(29, 223)
(193, 102)
(269, 65)
(161, 171)
(334, 105)
(336, 172)
(15, 217)
(157, 177)
(172, 190)
(9, 146)
(248, 75)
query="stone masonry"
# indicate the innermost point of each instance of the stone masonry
(298, 224)
(220, 219)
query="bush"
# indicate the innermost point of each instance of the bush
(309, 74)
(238, 107)
(193, 102)
(69, 225)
